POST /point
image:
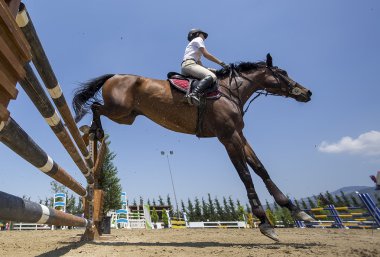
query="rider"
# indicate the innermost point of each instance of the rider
(192, 65)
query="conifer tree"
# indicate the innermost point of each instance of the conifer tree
(339, 202)
(227, 210)
(219, 210)
(70, 204)
(268, 205)
(197, 210)
(191, 211)
(141, 201)
(148, 202)
(287, 219)
(134, 202)
(165, 218)
(297, 204)
(110, 183)
(154, 216)
(270, 217)
(231, 204)
(345, 199)
(169, 202)
(205, 211)
(211, 209)
(329, 198)
(154, 202)
(354, 201)
(248, 208)
(304, 205)
(240, 211)
(160, 200)
(311, 203)
(183, 208)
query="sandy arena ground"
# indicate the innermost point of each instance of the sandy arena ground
(194, 242)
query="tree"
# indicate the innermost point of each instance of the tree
(213, 216)
(160, 200)
(270, 217)
(148, 202)
(250, 221)
(141, 201)
(339, 201)
(197, 210)
(227, 211)
(240, 211)
(248, 208)
(70, 204)
(154, 202)
(110, 183)
(168, 200)
(234, 215)
(355, 201)
(154, 217)
(286, 218)
(190, 209)
(205, 211)
(304, 205)
(220, 215)
(165, 218)
(183, 207)
(311, 203)
(329, 198)
(345, 199)
(297, 204)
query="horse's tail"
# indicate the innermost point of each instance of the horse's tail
(87, 94)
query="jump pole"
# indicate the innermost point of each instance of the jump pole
(17, 209)
(41, 62)
(34, 90)
(13, 136)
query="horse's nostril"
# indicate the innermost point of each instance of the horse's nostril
(309, 93)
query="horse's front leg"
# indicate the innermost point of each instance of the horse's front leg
(235, 150)
(279, 197)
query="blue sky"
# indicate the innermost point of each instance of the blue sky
(330, 47)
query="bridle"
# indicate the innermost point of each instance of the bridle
(290, 88)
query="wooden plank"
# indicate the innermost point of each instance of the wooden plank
(13, 6)
(98, 204)
(4, 113)
(13, 34)
(7, 85)
(9, 58)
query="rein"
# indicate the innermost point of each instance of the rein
(232, 76)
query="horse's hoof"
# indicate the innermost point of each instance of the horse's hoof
(267, 230)
(85, 129)
(301, 215)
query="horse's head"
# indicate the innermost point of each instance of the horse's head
(277, 82)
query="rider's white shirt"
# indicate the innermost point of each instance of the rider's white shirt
(192, 50)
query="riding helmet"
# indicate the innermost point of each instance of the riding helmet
(194, 33)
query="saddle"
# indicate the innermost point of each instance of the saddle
(186, 84)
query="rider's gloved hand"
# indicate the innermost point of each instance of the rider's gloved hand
(225, 66)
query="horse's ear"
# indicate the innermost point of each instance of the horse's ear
(269, 60)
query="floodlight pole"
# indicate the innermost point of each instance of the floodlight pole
(171, 178)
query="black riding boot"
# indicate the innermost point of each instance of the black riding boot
(195, 96)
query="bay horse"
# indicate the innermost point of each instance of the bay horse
(127, 96)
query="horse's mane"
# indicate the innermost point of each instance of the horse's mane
(239, 67)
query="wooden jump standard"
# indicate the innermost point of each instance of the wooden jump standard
(15, 53)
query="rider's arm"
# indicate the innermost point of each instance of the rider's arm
(209, 56)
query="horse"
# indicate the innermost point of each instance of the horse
(127, 96)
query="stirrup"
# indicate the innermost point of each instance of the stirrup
(193, 99)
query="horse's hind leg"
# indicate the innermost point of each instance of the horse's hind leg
(96, 125)
(279, 197)
(234, 147)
